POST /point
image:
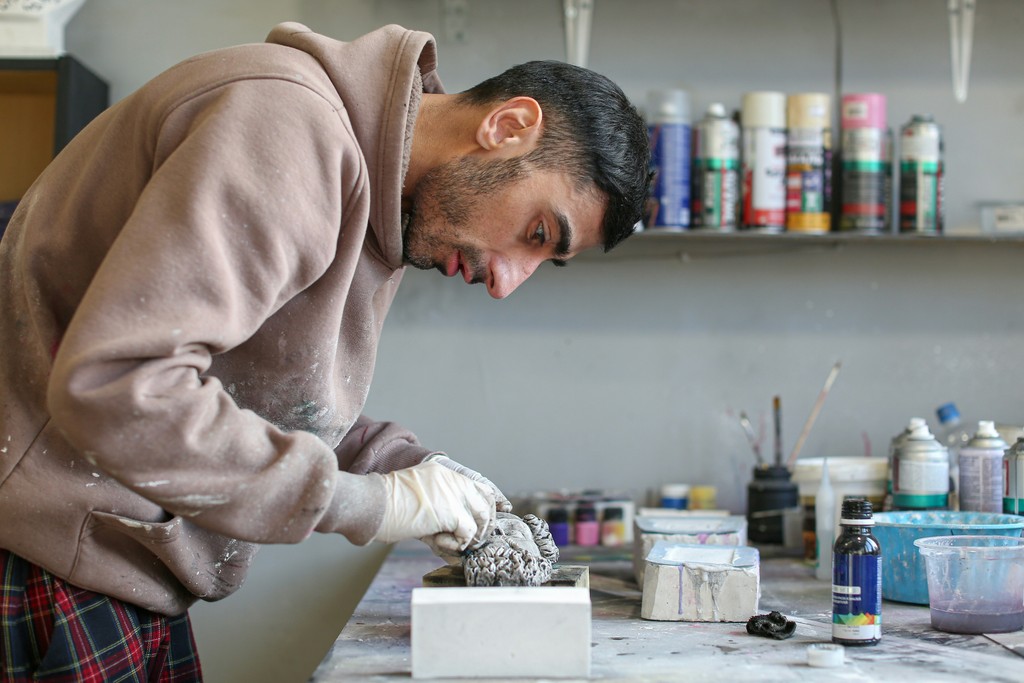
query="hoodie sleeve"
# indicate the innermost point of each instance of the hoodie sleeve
(240, 214)
(382, 447)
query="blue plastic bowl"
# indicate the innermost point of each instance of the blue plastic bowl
(904, 575)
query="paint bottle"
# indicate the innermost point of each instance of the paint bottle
(763, 167)
(613, 527)
(809, 163)
(703, 497)
(920, 471)
(1013, 478)
(668, 125)
(981, 470)
(769, 494)
(716, 171)
(866, 147)
(954, 436)
(587, 528)
(675, 496)
(824, 523)
(921, 176)
(558, 524)
(856, 578)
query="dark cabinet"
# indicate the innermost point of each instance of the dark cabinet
(44, 102)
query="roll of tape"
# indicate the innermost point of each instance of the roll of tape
(825, 655)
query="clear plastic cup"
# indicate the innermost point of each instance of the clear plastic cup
(975, 583)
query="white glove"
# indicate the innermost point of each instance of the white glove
(432, 500)
(501, 503)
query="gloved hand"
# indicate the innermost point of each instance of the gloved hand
(432, 500)
(500, 501)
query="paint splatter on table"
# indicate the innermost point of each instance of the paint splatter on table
(374, 645)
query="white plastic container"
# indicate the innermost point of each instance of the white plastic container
(850, 476)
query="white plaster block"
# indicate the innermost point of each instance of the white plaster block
(714, 530)
(501, 632)
(701, 583)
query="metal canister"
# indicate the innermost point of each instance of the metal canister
(921, 176)
(668, 125)
(981, 470)
(716, 171)
(894, 446)
(809, 163)
(865, 188)
(920, 471)
(763, 134)
(1013, 478)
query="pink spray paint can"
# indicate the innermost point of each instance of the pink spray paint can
(866, 149)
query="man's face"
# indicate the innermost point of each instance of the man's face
(494, 222)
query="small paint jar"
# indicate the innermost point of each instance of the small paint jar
(613, 528)
(588, 529)
(703, 497)
(675, 496)
(558, 524)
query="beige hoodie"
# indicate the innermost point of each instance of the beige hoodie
(191, 297)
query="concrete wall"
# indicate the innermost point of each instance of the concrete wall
(631, 370)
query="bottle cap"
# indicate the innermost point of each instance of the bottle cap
(808, 110)
(947, 412)
(763, 110)
(987, 437)
(825, 655)
(557, 516)
(611, 513)
(856, 512)
(863, 110)
(716, 110)
(668, 106)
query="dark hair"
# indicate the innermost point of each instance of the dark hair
(591, 129)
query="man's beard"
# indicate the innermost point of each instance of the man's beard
(443, 204)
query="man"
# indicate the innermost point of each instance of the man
(190, 302)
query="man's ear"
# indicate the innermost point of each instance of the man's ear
(512, 126)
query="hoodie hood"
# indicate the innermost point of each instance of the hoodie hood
(376, 109)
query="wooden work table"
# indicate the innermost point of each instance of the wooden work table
(374, 645)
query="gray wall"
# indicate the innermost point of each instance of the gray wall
(630, 370)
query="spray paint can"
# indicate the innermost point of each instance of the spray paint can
(921, 176)
(763, 192)
(894, 447)
(866, 184)
(809, 163)
(716, 171)
(856, 578)
(981, 470)
(668, 124)
(920, 472)
(1013, 478)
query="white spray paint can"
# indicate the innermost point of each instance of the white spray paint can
(920, 470)
(763, 139)
(981, 470)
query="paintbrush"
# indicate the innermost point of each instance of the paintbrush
(777, 410)
(814, 413)
(745, 423)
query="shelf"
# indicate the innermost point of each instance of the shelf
(682, 246)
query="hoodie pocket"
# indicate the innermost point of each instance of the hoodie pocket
(164, 566)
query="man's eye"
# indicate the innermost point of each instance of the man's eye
(540, 234)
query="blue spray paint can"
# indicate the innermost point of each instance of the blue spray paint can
(668, 124)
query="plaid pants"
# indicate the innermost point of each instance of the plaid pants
(53, 632)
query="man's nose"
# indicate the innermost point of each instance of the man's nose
(508, 274)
